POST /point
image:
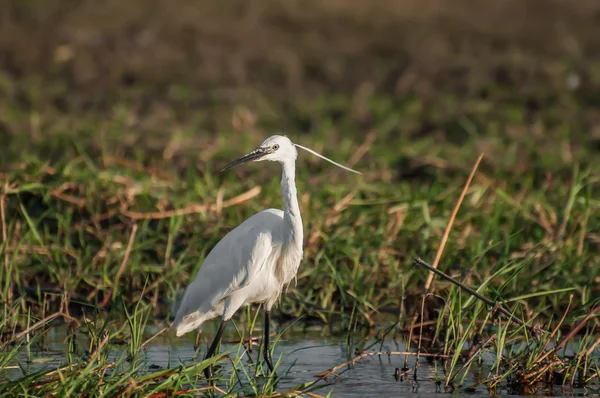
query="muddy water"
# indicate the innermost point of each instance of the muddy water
(305, 353)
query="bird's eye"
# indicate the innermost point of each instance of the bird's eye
(275, 147)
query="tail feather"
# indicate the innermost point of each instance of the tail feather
(200, 302)
(192, 321)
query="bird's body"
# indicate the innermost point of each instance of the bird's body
(252, 263)
(229, 278)
(255, 261)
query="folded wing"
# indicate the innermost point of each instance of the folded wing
(232, 264)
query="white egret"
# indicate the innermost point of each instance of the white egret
(255, 261)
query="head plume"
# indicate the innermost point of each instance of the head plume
(327, 159)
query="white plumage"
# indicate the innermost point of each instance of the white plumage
(240, 270)
(255, 261)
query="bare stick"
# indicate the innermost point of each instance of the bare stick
(496, 305)
(155, 336)
(438, 255)
(440, 250)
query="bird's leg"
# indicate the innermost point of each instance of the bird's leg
(267, 345)
(208, 372)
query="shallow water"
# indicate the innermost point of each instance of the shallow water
(305, 353)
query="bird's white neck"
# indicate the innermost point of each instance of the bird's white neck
(292, 219)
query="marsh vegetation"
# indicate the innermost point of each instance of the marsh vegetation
(115, 119)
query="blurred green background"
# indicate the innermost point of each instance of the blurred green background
(115, 106)
(427, 77)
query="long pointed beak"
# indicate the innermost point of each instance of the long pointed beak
(252, 156)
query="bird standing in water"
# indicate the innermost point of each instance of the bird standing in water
(255, 261)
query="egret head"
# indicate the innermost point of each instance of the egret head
(278, 148)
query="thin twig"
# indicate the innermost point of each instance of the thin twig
(330, 371)
(155, 336)
(592, 377)
(496, 305)
(438, 255)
